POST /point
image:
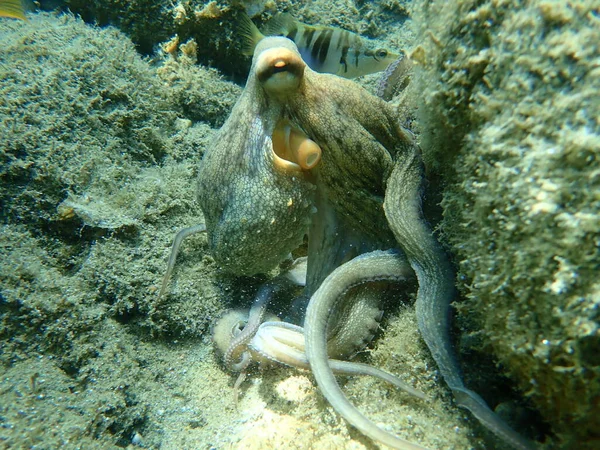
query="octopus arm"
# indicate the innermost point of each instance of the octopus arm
(376, 265)
(436, 287)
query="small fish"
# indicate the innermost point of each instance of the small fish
(12, 8)
(324, 49)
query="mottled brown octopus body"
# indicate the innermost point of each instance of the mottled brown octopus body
(309, 153)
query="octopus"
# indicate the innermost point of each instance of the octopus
(304, 153)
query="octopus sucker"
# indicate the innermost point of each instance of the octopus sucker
(281, 343)
(284, 343)
(237, 347)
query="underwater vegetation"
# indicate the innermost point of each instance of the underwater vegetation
(217, 26)
(85, 124)
(509, 114)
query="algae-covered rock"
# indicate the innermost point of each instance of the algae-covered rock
(214, 25)
(92, 156)
(199, 92)
(74, 115)
(147, 22)
(509, 114)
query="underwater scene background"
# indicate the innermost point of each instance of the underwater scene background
(105, 114)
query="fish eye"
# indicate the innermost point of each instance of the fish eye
(381, 53)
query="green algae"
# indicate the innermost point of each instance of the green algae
(92, 159)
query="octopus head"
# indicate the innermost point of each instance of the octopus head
(256, 189)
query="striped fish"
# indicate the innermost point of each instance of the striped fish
(324, 49)
(12, 8)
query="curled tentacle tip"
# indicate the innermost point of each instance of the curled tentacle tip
(227, 327)
(231, 334)
(279, 70)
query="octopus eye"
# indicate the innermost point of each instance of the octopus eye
(381, 53)
(279, 70)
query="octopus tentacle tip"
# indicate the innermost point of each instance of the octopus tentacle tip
(227, 327)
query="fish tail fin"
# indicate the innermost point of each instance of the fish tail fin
(249, 34)
(13, 9)
(280, 24)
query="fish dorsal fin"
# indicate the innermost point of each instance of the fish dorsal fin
(13, 9)
(280, 25)
(249, 34)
